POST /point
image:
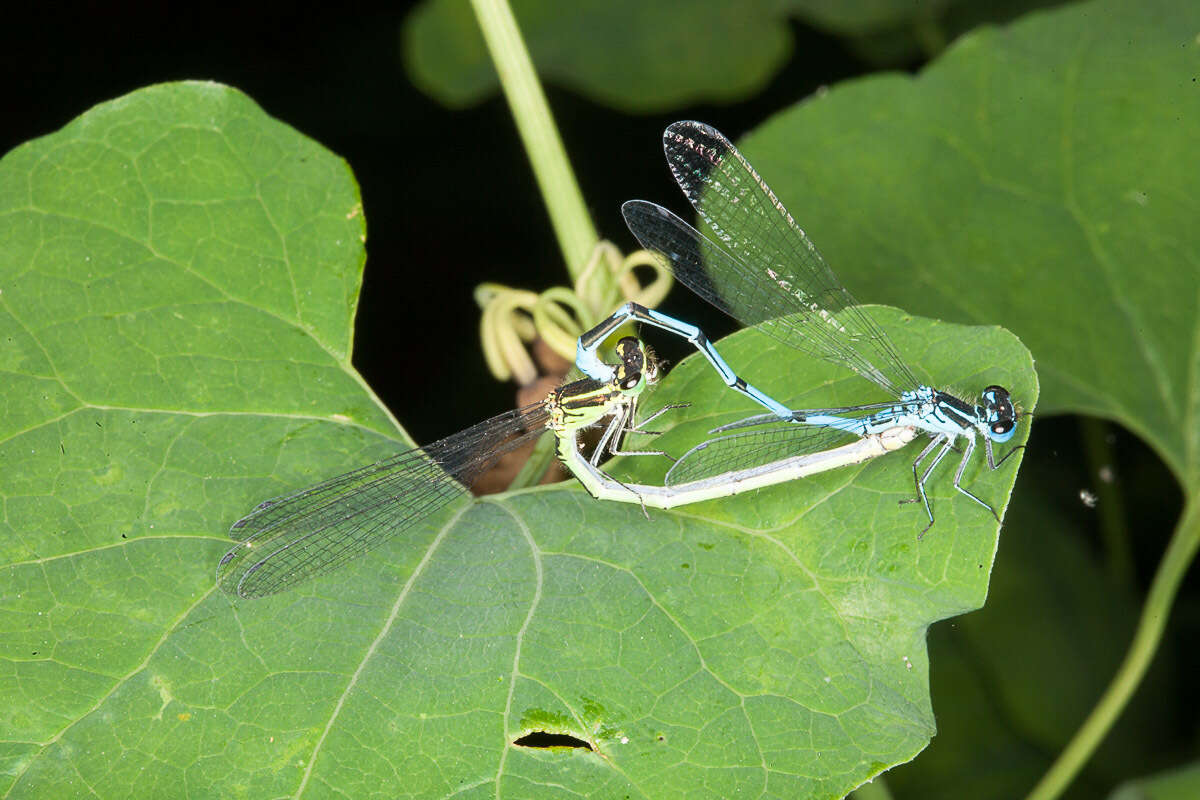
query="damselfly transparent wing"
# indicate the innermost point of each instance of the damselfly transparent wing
(753, 448)
(762, 268)
(290, 539)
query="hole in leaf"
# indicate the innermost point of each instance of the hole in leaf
(546, 740)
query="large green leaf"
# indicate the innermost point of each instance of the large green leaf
(1040, 175)
(179, 274)
(178, 285)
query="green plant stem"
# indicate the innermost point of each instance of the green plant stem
(1180, 553)
(568, 213)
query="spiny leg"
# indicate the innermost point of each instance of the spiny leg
(610, 441)
(615, 450)
(620, 417)
(962, 465)
(638, 427)
(934, 442)
(611, 433)
(920, 479)
(987, 446)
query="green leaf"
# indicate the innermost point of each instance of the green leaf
(178, 287)
(1039, 176)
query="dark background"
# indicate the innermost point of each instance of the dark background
(450, 202)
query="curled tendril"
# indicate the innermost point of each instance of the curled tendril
(514, 317)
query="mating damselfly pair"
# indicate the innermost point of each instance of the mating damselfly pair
(762, 270)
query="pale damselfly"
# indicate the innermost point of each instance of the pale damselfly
(636, 358)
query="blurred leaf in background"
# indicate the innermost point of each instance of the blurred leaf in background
(642, 57)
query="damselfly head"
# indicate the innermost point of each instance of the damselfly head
(999, 413)
(637, 361)
(630, 376)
